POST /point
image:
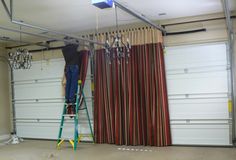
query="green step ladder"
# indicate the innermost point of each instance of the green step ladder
(77, 137)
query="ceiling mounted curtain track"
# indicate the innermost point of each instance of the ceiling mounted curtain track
(117, 3)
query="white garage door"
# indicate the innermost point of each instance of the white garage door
(39, 101)
(198, 93)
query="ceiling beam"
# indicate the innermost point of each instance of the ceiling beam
(35, 34)
(23, 43)
(9, 13)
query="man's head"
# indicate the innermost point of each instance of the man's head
(70, 39)
(67, 39)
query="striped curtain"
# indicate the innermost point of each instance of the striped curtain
(131, 106)
(83, 70)
(84, 65)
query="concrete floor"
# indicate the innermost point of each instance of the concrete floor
(46, 150)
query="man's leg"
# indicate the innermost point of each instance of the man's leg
(74, 84)
(68, 87)
(68, 83)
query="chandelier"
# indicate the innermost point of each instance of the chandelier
(20, 59)
(117, 49)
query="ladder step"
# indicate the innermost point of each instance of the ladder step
(66, 139)
(82, 108)
(69, 115)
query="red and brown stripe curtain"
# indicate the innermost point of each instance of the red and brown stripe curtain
(84, 65)
(83, 70)
(131, 106)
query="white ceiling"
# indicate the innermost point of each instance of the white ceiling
(73, 16)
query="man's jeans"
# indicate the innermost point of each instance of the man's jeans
(72, 75)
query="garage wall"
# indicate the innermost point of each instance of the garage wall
(215, 32)
(5, 125)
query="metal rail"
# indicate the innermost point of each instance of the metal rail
(35, 34)
(22, 42)
(230, 32)
(10, 15)
(138, 15)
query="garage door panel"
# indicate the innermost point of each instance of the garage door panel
(37, 130)
(196, 70)
(200, 134)
(41, 69)
(39, 111)
(199, 109)
(195, 56)
(39, 91)
(49, 130)
(212, 82)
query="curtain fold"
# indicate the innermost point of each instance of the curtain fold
(83, 71)
(84, 65)
(131, 106)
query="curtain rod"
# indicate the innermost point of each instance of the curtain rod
(123, 30)
(186, 32)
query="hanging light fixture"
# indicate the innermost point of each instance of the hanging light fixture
(117, 48)
(20, 58)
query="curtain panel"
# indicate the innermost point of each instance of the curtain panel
(84, 65)
(131, 105)
(83, 71)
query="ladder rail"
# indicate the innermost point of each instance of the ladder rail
(86, 108)
(61, 124)
(76, 119)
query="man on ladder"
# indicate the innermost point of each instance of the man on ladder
(73, 95)
(73, 63)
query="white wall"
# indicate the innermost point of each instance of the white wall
(5, 123)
